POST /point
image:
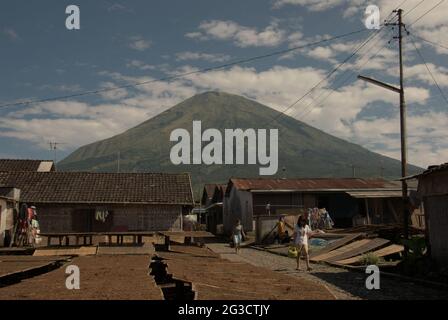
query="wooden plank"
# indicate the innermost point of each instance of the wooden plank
(371, 245)
(392, 249)
(82, 251)
(336, 244)
(115, 250)
(194, 234)
(23, 271)
(341, 250)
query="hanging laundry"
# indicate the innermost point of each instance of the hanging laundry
(101, 215)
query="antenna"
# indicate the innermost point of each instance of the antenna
(118, 162)
(53, 147)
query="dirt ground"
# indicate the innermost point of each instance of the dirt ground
(101, 277)
(127, 277)
(16, 263)
(214, 272)
(215, 278)
(344, 284)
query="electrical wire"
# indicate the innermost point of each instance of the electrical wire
(418, 19)
(429, 71)
(182, 75)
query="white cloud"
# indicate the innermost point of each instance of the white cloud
(115, 94)
(139, 65)
(139, 44)
(61, 87)
(194, 35)
(427, 134)
(242, 36)
(437, 35)
(312, 5)
(211, 57)
(420, 72)
(322, 53)
(119, 7)
(78, 123)
(11, 33)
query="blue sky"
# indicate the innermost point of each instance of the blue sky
(122, 42)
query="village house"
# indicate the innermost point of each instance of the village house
(349, 201)
(9, 199)
(433, 191)
(212, 205)
(101, 202)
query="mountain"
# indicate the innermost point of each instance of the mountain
(304, 151)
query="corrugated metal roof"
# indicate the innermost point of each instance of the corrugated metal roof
(431, 169)
(375, 194)
(310, 184)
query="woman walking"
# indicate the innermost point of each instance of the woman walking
(301, 234)
(238, 234)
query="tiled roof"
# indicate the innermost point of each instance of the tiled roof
(87, 187)
(26, 165)
(310, 184)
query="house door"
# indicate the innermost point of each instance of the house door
(81, 220)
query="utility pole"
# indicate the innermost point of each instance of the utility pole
(404, 184)
(403, 131)
(353, 171)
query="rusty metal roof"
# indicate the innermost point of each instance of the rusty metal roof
(310, 184)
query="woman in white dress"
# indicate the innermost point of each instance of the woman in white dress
(302, 232)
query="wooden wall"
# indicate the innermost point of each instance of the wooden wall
(59, 218)
(436, 207)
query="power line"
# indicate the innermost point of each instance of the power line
(401, 4)
(413, 8)
(182, 75)
(429, 71)
(431, 42)
(334, 88)
(307, 110)
(333, 71)
(438, 4)
(347, 78)
(325, 78)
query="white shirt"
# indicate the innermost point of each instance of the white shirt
(302, 235)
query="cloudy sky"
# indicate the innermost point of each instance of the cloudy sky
(124, 42)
